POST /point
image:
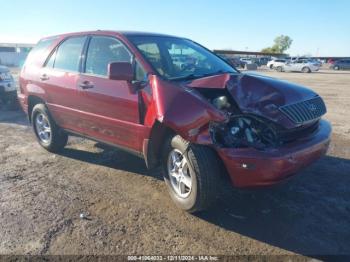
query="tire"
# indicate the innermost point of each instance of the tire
(279, 68)
(336, 68)
(200, 167)
(48, 134)
(271, 66)
(306, 70)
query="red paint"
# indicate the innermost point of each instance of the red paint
(275, 165)
(110, 112)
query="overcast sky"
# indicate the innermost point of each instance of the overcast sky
(318, 27)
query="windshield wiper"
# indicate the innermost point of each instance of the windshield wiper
(186, 77)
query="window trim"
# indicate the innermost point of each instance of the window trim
(53, 52)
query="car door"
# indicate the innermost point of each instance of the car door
(109, 108)
(288, 66)
(59, 78)
(298, 65)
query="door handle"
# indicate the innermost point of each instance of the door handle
(44, 77)
(86, 85)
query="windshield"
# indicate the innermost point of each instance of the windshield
(175, 58)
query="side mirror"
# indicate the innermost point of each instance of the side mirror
(121, 71)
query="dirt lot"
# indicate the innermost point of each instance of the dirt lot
(42, 195)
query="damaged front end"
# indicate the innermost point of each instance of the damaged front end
(244, 131)
(261, 112)
(239, 129)
(272, 130)
(264, 130)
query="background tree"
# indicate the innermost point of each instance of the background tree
(281, 44)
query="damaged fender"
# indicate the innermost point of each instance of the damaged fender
(183, 110)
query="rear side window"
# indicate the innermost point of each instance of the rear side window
(40, 50)
(102, 51)
(68, 55)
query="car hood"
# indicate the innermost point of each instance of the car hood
(257, 94)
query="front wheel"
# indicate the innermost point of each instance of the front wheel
(336, 68)
(306, 70)
(191, 173)
(279, 69)
(48, 134)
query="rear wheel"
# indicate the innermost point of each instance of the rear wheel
(336, 68)
(306, 70)
(191, 173)
(48, 134)
(279, 68)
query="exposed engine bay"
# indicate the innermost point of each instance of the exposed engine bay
(247, 130)
(244, 131)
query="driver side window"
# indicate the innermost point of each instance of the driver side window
(103, 50)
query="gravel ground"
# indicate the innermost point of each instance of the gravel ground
(129, 211)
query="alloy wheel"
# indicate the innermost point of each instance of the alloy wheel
(179, 173)
(43, 128)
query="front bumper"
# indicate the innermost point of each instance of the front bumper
(7, 86)
(7, 91)
(249, 167)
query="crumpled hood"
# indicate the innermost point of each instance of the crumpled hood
(257, 94)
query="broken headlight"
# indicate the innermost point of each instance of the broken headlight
(221, 102)
(244, 131)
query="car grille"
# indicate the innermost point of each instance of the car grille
(305, 111)
(5, 76)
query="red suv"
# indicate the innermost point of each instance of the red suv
(177, 105)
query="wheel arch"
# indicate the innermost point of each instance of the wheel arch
(32, 101)
(159, 133)
(153, 151)
(308, 69)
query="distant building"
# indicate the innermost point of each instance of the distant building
(14, 54)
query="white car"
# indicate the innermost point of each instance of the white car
(275, 63)
(304, 66)
(246, 60)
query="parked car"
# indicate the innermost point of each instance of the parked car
(331, 61)
(234, 61)
(318, 62)
(307, 59)
(201, 123)
(245, 61)
(298, 66)
(275, 63)
(341, 64)
(263, 61)
(8, 91)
